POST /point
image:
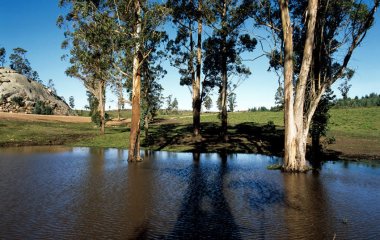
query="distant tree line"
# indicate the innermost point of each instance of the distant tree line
(371, 100)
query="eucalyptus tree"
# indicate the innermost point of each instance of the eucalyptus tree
(189, 17)
(136, 23)
(223, 48)
(314, 37)
(151, 72)
(88, 26)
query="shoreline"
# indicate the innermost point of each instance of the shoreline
(254, 133)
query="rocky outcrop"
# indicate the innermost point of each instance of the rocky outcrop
(21, 95)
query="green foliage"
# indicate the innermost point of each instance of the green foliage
(95, 118)
(320, 120)
(20, 63)
(231, 101)
(18, 100)
(207, 103)
(371, 100)
(279, 97)
(172, 105)
(259, 109)
(344, 87)
(41, 108)
(71, 102)
(2, 56)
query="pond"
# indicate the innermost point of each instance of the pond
(93, 193)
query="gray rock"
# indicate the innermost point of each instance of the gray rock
(13, 85)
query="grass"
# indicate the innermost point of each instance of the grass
(357, 133)
(23, 133)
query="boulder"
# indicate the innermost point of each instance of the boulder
(13, 84)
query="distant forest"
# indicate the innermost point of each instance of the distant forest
(371, 100)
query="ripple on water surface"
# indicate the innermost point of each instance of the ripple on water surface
(69, 193)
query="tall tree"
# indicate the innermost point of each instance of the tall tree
(311, 43)
(188, 16)
(88, 27)
(137, 22)
(223, 48)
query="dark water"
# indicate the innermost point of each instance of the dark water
(84, 193)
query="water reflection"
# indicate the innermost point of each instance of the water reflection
(307, 208)
(94, 193)
(204, 211)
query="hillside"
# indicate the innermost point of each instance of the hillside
(21, 95)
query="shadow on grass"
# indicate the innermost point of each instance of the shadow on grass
(243, 138)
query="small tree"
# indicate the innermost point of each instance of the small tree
(51, 86)
(344, 87)
(169, 103)
(2, 56)
(36, 77)
(232, 101)
(279, 97)
(71, 102)
(207, 103)
(20, 63)
(175, 105)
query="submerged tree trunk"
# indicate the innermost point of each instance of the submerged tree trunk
(197, 102)
(224, 74)
(134, 138)
(102, 107)
(296, 123)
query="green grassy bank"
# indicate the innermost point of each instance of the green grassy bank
(356, 132)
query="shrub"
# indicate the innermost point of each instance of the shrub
(41, 108)
(95, 118)
(18, 100)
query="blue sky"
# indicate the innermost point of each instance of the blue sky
(30, 24)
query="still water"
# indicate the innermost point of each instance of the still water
(90, 193)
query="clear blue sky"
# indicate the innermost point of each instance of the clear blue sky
(30, 24)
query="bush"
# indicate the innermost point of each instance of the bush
(95, 118)
(19, 101)
(270, 127)
(41, 108)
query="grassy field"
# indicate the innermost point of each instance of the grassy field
(357, 133)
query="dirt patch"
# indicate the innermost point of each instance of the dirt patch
(44, 118)
(121, 122)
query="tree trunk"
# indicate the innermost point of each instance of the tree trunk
(224, 74)
(197, 102)
(102, 107)
(134, 138)
(296, 124)
(290, 128)
(146, 127)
